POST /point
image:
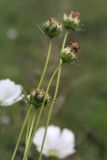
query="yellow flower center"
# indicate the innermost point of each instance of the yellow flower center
(53, 152)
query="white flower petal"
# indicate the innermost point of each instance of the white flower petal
(38, 140)
(67, 143)
(68, 137)
(10, 92)
(52, 137)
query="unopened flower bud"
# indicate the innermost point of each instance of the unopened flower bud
(72, 20)
(52, 28)
(69, 54)
(38, 97)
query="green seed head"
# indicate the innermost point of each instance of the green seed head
(69, 54)
(72, 20)
(52, 27)
(38, 97)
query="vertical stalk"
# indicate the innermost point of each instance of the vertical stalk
(39, 86)
(41, 110)
(46, 64)
(54, 98)
(28, 126)
(21, 132)
(43, 73)
(30, 133)
(28, 114)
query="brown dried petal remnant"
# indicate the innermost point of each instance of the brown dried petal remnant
(74, 46)
(75, 14)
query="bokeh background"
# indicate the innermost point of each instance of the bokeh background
(82, 100)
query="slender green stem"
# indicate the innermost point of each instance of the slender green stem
(28, 114)
(21, 132)
(54, 98)
(41, 80)
(41, 110)
(30, 133)
(30, 124)
(42, 77)
(46, 64)
(28, 127)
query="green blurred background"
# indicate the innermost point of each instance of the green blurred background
(82, 102)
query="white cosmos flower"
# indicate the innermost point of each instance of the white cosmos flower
(10, 92)
(57, 143)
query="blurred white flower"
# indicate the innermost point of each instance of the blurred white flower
(10, 92)
(12, 33)
(5, 120)
(57, 143)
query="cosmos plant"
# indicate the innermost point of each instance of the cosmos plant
(49, 140)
